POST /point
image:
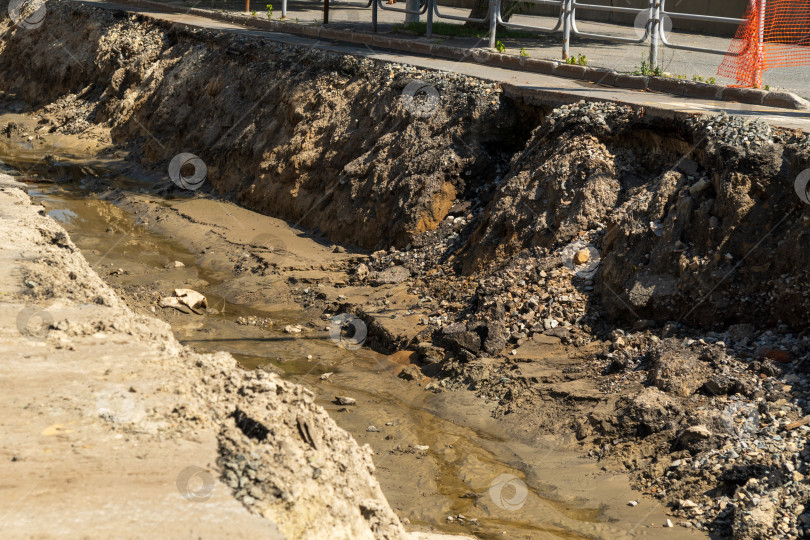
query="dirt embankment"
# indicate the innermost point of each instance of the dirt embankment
(319, 139)
(116, 417)
(695, 221)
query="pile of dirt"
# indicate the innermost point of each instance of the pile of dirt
(693, 221)
(615, 228)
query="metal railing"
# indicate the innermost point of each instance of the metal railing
(327, 7)
(378, 4)
(693, 17)
(566, 26)
(498, 20)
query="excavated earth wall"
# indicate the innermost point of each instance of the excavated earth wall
(695, 221)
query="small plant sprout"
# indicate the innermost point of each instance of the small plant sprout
(647, 71)
(499, 46)
(269, 10)
(579, 60)
(523, 53)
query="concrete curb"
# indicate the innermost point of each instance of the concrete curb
(679, 87)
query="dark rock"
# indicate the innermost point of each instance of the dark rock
(741, 333)
(560, 332)
(719, 385)
(457, 338)
(769, 368)
(493, 335)
(713, 354)
(428, 354)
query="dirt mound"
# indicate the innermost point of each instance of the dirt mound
(564, 182)
(717, 240)
(694, 221)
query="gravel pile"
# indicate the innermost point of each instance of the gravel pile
(726, 414)
(736, 131)
(719, 412)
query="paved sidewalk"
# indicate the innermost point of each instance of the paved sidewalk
(618, 56)
(533, 86)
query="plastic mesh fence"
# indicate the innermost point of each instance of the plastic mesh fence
(785, 29)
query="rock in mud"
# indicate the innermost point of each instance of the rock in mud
(428, 354)
(361, 271)
(390, 276)
(651, 411)
(494, 335)
(696, 439)
(191, 298)
(456, 337)
(676, 369)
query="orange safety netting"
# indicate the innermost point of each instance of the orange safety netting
(776, 34)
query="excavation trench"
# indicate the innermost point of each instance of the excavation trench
(466, 449)
(551, 261)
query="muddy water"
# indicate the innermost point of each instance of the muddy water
(436, 454)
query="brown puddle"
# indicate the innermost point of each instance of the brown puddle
(436, 455)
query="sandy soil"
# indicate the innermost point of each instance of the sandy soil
(119, 431)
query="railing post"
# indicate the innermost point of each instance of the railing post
(411, 5)
(374, 16)
(283, 10)
(494, 11)
(760, 63)
(429, 30)
(568, 13)
(655, 32)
